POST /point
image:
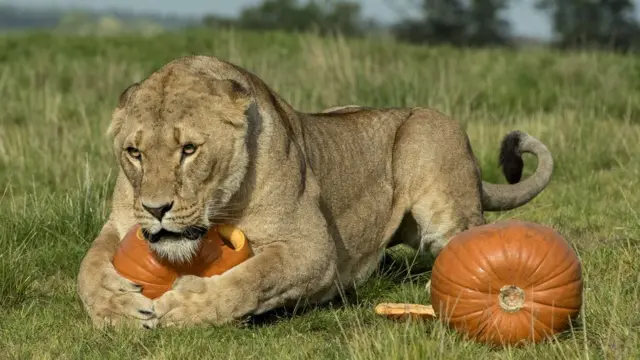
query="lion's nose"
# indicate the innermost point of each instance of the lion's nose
(158, 212)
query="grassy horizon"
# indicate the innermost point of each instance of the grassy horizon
(57, 171)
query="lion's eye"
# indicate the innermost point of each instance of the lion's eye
(133, 152)
(188, 149)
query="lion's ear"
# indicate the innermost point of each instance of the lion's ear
(230, 89)
(126, 94)
(116, 122)
(237, 94)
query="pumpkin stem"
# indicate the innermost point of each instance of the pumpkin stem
(511, 298)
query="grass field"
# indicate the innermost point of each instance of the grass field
(56, 173)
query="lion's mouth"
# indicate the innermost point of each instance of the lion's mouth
(190, 233)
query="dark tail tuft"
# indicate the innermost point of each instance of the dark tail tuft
(510, 157)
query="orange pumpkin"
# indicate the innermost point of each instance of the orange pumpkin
(222, 248)
(507, 283)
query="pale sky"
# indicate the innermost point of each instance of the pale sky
(524, 19)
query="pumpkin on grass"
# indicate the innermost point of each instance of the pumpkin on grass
(507, 283)
(222, 248)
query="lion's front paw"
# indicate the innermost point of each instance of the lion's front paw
(192, 300)
(115, 301)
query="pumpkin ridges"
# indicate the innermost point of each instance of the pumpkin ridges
(490, 269)
(568, 293)
(445, 257)
(556, 322)
(502, 328)
(526, 240)
(512, 266)
(471, 315)
(474, 301)
(143, 268)
(466, 296)
(473, 322)
(565, 298)
(486, 324)
(554, 275)
(495, 271)
(504, 259)
(124, 257)
(557, 257)
(441, 278)
(518, 331)
(457, 304)
(534, 249)
(535, 320)
(546, 317)
(531, 277)
(449, 307)
(552, 259)
(130, 272)
(513, 245)
(538, 333)
(557, 286)
(470, 272)
(555, 307)
(456, 316)
(525, 260)
(466, 288)
(534, 333)
(138, 269)
(507, 328)
(507, 254)
(131, 246)
(510, 236)
(557, 282)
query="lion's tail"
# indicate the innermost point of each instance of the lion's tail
(499, 197)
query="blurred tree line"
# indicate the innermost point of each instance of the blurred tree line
(326, 17)
(603, 24)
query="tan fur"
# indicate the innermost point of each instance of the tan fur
(320, 196)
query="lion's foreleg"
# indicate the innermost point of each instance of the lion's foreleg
(278, 274)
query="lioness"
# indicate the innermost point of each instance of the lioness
(320, 196)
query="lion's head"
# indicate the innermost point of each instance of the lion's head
(179, 137)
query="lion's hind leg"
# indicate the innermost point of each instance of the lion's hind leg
(438, 178)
